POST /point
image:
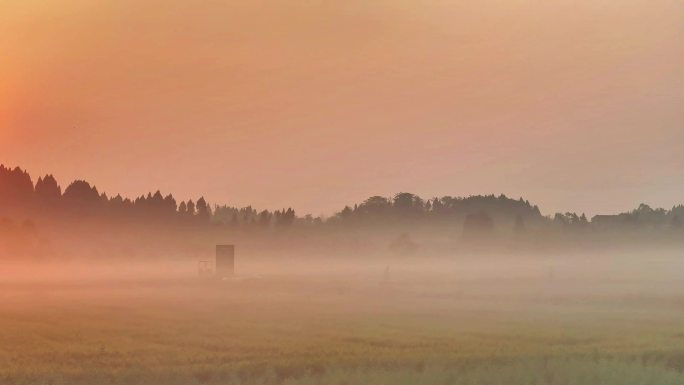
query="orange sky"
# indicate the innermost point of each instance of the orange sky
(575, 105)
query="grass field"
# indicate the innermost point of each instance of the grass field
(441, 327)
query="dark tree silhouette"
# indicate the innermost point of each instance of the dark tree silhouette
(265, 218)
(80, 194)
(408, 206)
(183, 209)
(47, 190)
(169, 205)
(16, 185)
(190, 211)
(203, 211)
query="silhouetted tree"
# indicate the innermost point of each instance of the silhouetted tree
(407, 205)
(287, 217)
(203, 211)
(169, 205)
(190, 208)
(47, 190)
(264, 218)
(346, 212)
(80, 194)
(374, 208)
(16, 186)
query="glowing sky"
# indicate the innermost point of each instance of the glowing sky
(575, 105)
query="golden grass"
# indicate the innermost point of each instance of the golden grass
(338, 331)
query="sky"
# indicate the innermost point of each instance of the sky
(574, 105)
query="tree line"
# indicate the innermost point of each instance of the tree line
(410, 208)
(491, 211)
(20, 197)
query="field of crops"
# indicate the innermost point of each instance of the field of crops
(437, 328)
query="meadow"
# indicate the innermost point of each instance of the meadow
(491, 322)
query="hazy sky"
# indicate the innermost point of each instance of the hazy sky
(575, 105)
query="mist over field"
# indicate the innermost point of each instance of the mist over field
(587, 318)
